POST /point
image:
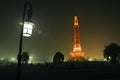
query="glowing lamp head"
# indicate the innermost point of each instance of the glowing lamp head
(27, 28)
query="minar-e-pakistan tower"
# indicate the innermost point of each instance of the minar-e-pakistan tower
(77, 54)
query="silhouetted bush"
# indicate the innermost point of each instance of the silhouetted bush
(58, 58)
(112, 52)
(25, 57)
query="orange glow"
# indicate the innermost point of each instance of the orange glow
(77, 54)
(75, 20)
(77, 47)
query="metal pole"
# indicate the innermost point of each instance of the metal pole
(21, 40)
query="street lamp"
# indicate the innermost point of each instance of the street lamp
(28, 26)
(26, 30)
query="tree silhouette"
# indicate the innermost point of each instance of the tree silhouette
(58, 58)
(112, 52)
(25, 57)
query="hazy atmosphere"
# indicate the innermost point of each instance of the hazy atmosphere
(99, 22)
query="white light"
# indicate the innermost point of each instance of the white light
(2, 59)
(27, 28)
(90, 59)
(29, 62)
(30, 57)
(13, 59)
(109, 57)
(105, 59)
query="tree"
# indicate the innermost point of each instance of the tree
(25, 57)
(58, 58)
(112, 52)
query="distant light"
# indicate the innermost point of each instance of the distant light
(27, 28)
(29, 61)
(90, 59)
(2, 59)
(30, 57)
(13, 59)
(20, 23)
(109, 57)
(105, 59)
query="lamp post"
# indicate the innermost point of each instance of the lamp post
(26, 30)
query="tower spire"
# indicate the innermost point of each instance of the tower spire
(75, 21)
(77, 53)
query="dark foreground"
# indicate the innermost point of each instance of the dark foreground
(64, 71)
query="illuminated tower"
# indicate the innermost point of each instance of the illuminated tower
(77, 54)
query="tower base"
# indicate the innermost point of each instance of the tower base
(77, 56)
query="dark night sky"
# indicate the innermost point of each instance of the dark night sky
(99, 26)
